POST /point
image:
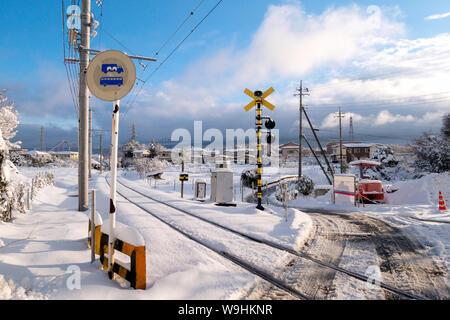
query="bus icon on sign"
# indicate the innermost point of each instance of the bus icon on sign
(111, 81)
(111, 68)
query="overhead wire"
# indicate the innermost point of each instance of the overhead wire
(130, 105)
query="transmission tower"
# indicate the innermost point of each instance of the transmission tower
(42, 139)
(133, 131)
(352, 134)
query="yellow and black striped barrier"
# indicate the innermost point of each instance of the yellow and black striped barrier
(135, 272)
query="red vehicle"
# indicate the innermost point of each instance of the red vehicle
(368, 190)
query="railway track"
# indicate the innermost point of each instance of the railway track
(247, 266)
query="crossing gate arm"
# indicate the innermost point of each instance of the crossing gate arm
(129, 242)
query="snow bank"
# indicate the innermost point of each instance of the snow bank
(125, 233)
(10, 291)
(410, 192)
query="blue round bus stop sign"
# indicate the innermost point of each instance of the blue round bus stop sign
(111, 75)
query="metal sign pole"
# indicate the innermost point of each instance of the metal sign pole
(112, 201)
(259, 155)
(258, 100)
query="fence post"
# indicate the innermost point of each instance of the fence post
(285, 200)
(28, 199)
(32, 189)
(92, 226)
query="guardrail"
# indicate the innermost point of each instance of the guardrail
(133, 271)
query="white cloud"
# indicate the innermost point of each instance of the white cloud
(382, 119)
(356, 55)
(289, 43)
(438, 16)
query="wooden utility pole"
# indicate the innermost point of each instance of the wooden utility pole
(300, 135)
(341, 156)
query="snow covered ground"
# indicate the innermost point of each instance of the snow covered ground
(39, 249)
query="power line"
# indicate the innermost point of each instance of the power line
(130, 105)
(395, 101)
(135, 91)
(179, 27)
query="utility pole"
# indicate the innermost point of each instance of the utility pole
(42, 139)
(340, 116)
(300, 135)
(83, 97)
(90, 143)
(101, 153)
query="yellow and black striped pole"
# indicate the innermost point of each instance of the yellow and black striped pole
(258, 100)
(258, 95)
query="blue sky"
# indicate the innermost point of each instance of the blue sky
(205, 78)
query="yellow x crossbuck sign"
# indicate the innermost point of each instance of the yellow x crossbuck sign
(259, 99)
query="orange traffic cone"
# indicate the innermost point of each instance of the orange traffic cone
(441, 202)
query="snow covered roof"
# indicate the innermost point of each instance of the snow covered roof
(358, 145)
(289, 147)
(140, 151)
(64, 152)
(364, 163)
(36, 153)
(368, 181)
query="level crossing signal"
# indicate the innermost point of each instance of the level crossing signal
(259, 98)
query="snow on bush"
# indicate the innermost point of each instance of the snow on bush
(289, 188)
(305, 185)
(432, 152)
(249, 178)
(6, 195)
(146, 165)
(10, 291)
(8, 121)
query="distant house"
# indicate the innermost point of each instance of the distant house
(289, 151)
(72, 155)
(331, 145)
(353, 151)
(243, 155)
(141, 153)
(36, 154)
(211, 156)
(165, 155)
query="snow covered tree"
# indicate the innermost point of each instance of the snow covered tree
(9, 121)
(127, 152)
(5, 192)
(146, 165)
(389, 168)
(445, 131)
(249, 178)
(154, 148)
(305, 185)
(432, 153)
